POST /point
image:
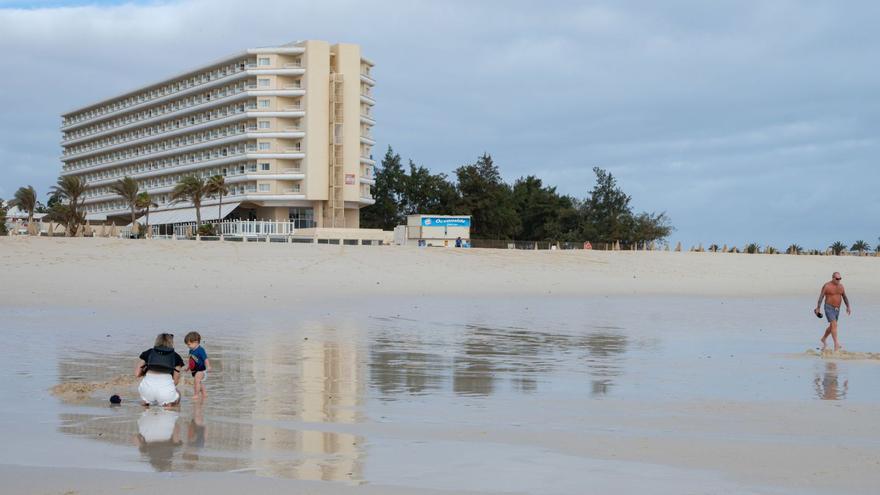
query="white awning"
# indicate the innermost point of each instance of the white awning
(188, 215)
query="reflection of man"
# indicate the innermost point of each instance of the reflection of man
(158, 437)
(832, 292)
(828, 385)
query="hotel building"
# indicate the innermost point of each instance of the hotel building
(289, 127)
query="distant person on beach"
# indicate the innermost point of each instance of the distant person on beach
(832, 291)
(199, 364)
(160, 368)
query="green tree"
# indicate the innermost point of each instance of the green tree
(606, 209)
(794, 249)
(216, 187)
(487, 199)
(837, 248)
(25, 199)
(388, 192)
(649, 227)
(127, 188)
(427, 193)
(752, 248)
(860, 246)
(192, 189)
(145, 202)
(71, 189)
(3, 230)
(544, 214)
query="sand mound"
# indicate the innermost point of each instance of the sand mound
(76, 390)
(843, 355)
(81, 389)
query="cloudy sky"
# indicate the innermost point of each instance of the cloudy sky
(746, 121)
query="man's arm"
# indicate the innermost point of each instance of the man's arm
(175, 375)
(846, 301)
(821, 296)
(139, 368)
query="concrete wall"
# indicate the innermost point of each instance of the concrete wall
(317, 120)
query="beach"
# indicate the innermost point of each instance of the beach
(384, 369)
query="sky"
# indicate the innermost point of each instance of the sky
(745, 121)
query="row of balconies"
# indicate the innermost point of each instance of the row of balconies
(216, 153)
(170, 145)
(157, 111)
(203, 120)
(189, 103)
(177, 142)
(158, 129)
(167, 89)
(218, 92)
(153, 170)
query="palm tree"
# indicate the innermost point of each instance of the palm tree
(860, 246)
(193, 189)
(752, 248)
(26, 200)
(217, 187)
(128, 189)
(145, 202)
(794, 249)
(837, 248)
(2, 218)
(70, 188)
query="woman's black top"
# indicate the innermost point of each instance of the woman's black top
(162, 360)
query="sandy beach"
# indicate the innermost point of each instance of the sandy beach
(405, 370)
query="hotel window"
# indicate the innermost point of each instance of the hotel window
(252, 167)
(264, 167)
(264, 187)
(252, 188)
(264, 124)
(264, 103)
(263, 61)
(265, 146)
(263, 82)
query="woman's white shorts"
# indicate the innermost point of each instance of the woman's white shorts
(158, 388)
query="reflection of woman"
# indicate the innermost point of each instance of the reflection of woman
(160, 367)
(158, 437)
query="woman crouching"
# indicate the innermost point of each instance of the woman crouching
(160, 367)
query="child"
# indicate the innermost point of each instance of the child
(198, 363)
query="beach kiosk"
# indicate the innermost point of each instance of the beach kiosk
(436, 230)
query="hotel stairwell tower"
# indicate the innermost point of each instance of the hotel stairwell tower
(289, 127)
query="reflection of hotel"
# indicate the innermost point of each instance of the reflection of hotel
(257, 390)
(288, 126)
(320, 380)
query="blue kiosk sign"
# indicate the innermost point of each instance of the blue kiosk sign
(446, 222)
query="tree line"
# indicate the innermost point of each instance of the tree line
(526, 210)
(66, 204)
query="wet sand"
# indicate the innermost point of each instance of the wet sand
(457, 393)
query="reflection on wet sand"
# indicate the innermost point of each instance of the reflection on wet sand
(828, 384)
(483, 357)
(254, 383)
(277, 399)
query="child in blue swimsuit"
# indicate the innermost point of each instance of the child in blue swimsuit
(198, 364)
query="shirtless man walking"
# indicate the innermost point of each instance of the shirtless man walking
(832, 292)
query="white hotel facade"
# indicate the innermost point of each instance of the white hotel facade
(289, 127)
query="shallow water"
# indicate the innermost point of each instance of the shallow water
(443, 393)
